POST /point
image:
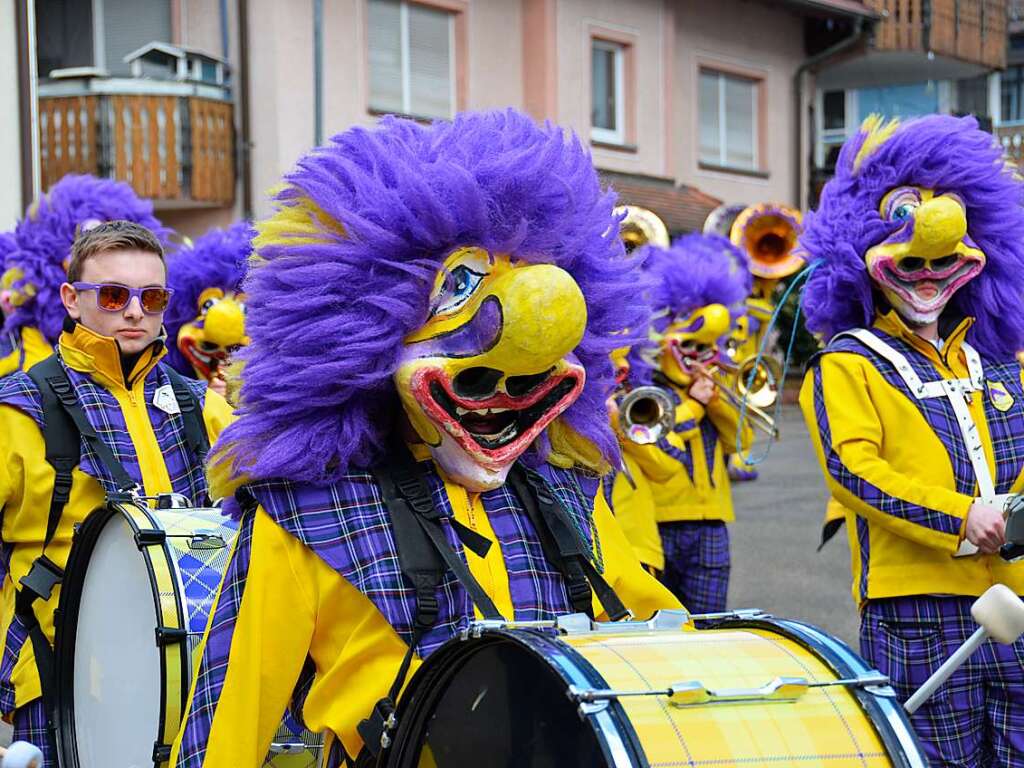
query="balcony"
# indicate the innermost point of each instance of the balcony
(173, 142)
(972, 31)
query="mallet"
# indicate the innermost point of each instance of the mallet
(21, 754)
(1000, 616)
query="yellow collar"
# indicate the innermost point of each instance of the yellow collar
(100, 357)
(892, 324)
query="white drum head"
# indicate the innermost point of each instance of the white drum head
(117, 685)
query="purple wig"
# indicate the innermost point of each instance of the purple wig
(45, 235)
(938, 152)
(696, 270)
(218, 259)
(327, 315)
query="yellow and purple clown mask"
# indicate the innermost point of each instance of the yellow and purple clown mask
(206, 320)
(457, 287)
(690, 344)
(923, 218)
(493, 366)
(929, 257)
(216, 332)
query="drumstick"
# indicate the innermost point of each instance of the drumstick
(21, 754)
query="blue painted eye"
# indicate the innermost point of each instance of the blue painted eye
(903, 211)
(460, 285)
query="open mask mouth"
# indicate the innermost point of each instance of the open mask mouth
(691, 356)
(204, 356)
(492, 416)
(927, 285)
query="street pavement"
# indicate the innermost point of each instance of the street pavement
(775, 562)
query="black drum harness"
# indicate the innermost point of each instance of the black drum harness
(64, 427)
(425, 556)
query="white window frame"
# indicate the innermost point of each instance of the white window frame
(605, 135)
(722, 128)
(403, 29)
(851, 107)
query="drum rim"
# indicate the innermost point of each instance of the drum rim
(83, 544)
(561, 658)
(886, 716)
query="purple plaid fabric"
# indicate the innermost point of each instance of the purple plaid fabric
(870, 494)
(977, 717)
(30, 725)
(213, 665)
(104, 414)
(348, 527)
(1005, 427)
(708, 435)
(697, 563)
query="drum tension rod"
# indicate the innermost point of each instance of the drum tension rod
(693, 692)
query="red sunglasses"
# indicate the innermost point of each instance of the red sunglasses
(113, 297)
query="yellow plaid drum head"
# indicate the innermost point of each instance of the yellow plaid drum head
(756, 692)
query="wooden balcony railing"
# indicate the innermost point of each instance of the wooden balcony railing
(173, 149)
(970, 30)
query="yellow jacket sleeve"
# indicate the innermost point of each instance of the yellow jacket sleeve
(217, 414)
(641, 593)
(726, 419)
(848, 436)
(651, 460)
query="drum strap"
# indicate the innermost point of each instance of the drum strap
(563, 546)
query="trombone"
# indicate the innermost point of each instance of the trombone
(754, 396)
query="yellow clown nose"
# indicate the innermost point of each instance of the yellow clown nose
(544, 316)
(225, 324)
(939, 226)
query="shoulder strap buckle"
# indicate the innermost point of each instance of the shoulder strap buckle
(40, 580)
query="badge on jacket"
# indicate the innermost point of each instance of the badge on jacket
(165, 400)
(1000, 396)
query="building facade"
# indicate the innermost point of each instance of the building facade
(203, 105)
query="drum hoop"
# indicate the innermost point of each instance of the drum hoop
(612, 728)
(884, 713)
(174, 659)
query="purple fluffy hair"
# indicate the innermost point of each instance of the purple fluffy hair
(327, 319)
(45, 235)
(696, 270)
(218, 259)
(938, 152)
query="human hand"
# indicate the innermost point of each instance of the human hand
(219, 385)
(703, 388)
(986, 528)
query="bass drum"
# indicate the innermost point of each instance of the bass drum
(137, 593)
(590, 698)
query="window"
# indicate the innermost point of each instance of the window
(729, 131)
(411, 59)
(1012, 94)
(607, 92)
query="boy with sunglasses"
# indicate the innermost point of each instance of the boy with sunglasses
(137, 426)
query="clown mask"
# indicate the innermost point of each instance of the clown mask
(14, 291)
(216, 332)
(928, 258)
(493, 364)
(691, 343)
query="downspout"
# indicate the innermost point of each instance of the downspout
(318, 72)
(244, 144)
(862, 28)
(28, 106)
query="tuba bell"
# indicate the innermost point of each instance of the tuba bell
(640, 227)
(646, 414)
(767, 233)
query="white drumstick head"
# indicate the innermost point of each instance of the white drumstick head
(1001, 613)
(21, 754)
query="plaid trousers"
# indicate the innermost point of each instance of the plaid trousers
(977, 717)
(30, 725)
(697, 563)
